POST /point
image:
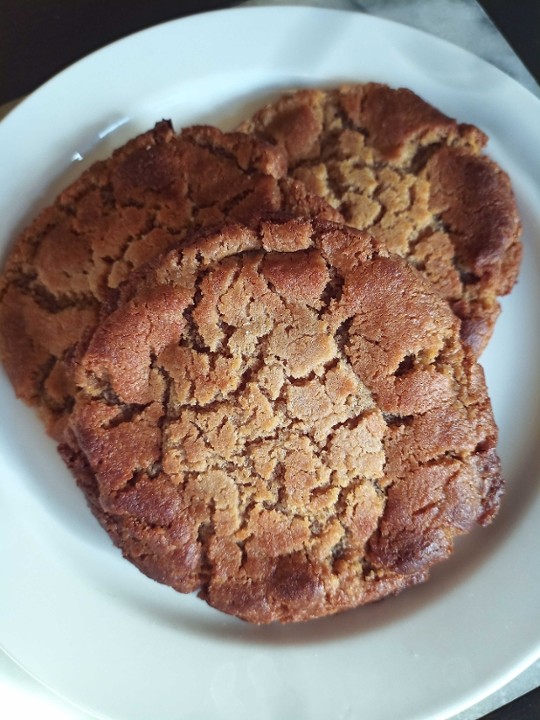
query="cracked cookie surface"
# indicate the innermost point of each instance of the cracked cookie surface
(396, 166)
(148, 195)
(284, 419)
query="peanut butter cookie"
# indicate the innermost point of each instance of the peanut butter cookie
(396, 166)
(122, 211)
(284, 419)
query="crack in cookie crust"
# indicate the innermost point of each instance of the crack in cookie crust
(283, 418)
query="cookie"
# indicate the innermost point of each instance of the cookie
(150, 194)
(396, 166)
(284, 419)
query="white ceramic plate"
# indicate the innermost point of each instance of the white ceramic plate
(84, 621)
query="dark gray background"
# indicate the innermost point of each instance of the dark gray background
(38, 38)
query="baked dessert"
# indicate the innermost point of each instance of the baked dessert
(396, 166)
(284, 419)
(150, 194)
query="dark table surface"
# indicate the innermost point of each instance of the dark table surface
(38, 38)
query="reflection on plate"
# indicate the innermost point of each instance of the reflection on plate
(90, 626)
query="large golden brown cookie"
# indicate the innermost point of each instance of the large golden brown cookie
(284, 419)
(396, 166)
(121, 212)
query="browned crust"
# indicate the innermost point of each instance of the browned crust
(396, 166)
(284, 419)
